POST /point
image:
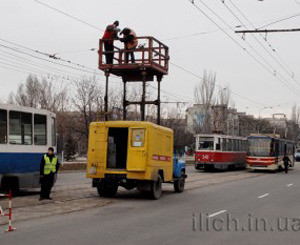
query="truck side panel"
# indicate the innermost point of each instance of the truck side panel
(150, 151)
(160, 155)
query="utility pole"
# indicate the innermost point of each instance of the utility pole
(267, 30)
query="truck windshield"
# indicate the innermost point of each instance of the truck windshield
(206, 143)
(260, 147)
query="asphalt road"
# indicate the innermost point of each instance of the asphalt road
(234, 207)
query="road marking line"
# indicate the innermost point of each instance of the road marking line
(216, 213)
(289, 184)
(264, 195)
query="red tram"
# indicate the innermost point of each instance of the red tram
(220, 152)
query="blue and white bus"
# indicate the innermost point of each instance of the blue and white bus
(25, 134)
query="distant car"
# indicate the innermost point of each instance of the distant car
(297, 155)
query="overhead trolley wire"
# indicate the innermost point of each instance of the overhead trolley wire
(270, 66)
(282, 63)
(95, 27)
(68, 15)
(241, 46)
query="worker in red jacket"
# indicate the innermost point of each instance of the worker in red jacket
(111, 32)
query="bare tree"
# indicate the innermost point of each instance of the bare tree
(175, 119)
(295, 116)
(224, 96)
(219, 110)
(204, 96)
(86, 103)
(39, 94)
(204, 91)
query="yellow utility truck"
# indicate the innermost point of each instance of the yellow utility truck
(133, 154)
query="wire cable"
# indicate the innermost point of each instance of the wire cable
(68, 15)
(250, 54)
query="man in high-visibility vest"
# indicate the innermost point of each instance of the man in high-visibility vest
(48, 170)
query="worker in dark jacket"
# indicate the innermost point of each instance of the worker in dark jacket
(48, 170)
(130, 41)
(111, 32)
(286, 162)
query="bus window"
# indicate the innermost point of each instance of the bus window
(20, 128)
(3, 127)
(40, 129)
(206, 143)
(53, 131)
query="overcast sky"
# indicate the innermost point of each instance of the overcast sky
(28, 23)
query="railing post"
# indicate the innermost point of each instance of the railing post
(158, 99)
(166, 58)
(150, 48)
(144, 73)
(159, 54)
(100, 53)
(124, 99)
(106, 95)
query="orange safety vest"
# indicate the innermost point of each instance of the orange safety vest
(134, 42)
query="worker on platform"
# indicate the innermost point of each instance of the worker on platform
(286, 160)
(48, 170)
(130, 40)
(111, 33)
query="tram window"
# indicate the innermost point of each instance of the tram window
(3, 127)
(218, 145)
(224, 145)
(280, 148)
(40, 129)
(229, 145)
(20, 128)
(53, 130)
(234, 148)
(206, 143)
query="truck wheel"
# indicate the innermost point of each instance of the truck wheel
(179, 184)
(155, 192)
(107, 189)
